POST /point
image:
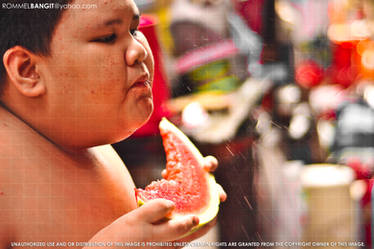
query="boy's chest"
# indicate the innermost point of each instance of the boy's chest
(68, 217)
(72, 205)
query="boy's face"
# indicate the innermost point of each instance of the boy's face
(99, 74)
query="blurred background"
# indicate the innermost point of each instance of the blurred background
(282, 93)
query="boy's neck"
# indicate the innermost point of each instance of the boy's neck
(10, 119)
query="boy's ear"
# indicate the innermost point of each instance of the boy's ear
(21, 68)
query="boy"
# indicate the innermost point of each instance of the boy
(72, 81)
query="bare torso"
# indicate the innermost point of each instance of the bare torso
(47, 194)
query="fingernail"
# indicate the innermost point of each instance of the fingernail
(170, 205)
(195, 221)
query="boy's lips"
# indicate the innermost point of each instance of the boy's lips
(142, 84)
(142, 81)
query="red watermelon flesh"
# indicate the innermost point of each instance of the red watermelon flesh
(186, 183)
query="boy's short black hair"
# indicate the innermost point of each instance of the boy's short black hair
(29, 24)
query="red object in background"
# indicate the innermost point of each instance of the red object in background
(345, 76)
(363, 172)
(268, 101)
(252, 12)
(160, 88)
(343, 70)
(309, 74)
(361, 169)
(328, 115)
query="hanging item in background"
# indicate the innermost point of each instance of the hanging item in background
(249, 44)
(209, 58)
(195, 24)
(214, 61)
(252, 13)
(207, 68)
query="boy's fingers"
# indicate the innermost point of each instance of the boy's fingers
(222, 193)
(154, 210)
(163, 173)
(202, 231)
(210, 163)
(175, 228)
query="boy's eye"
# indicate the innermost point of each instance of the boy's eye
(107, 39)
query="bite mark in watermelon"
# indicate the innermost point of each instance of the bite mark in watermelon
(193, 190)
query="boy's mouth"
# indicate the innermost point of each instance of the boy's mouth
(142, 81)
(145, 83)
(142, 86)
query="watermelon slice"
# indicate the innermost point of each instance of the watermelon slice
(193, 190)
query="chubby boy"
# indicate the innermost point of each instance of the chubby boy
(74, 81)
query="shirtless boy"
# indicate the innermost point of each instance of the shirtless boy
(73, 82)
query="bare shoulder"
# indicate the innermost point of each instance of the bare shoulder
(108, 156)
(113, 166)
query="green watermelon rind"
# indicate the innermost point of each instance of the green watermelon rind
(211, 212)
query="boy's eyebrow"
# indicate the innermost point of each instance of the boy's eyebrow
(111, 22)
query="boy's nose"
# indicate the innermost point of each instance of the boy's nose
(136, 53)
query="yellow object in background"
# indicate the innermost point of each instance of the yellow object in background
(161, 9)
(164, 29)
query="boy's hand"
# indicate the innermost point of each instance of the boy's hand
(147, 223)
(211, 164)
(154, 224)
